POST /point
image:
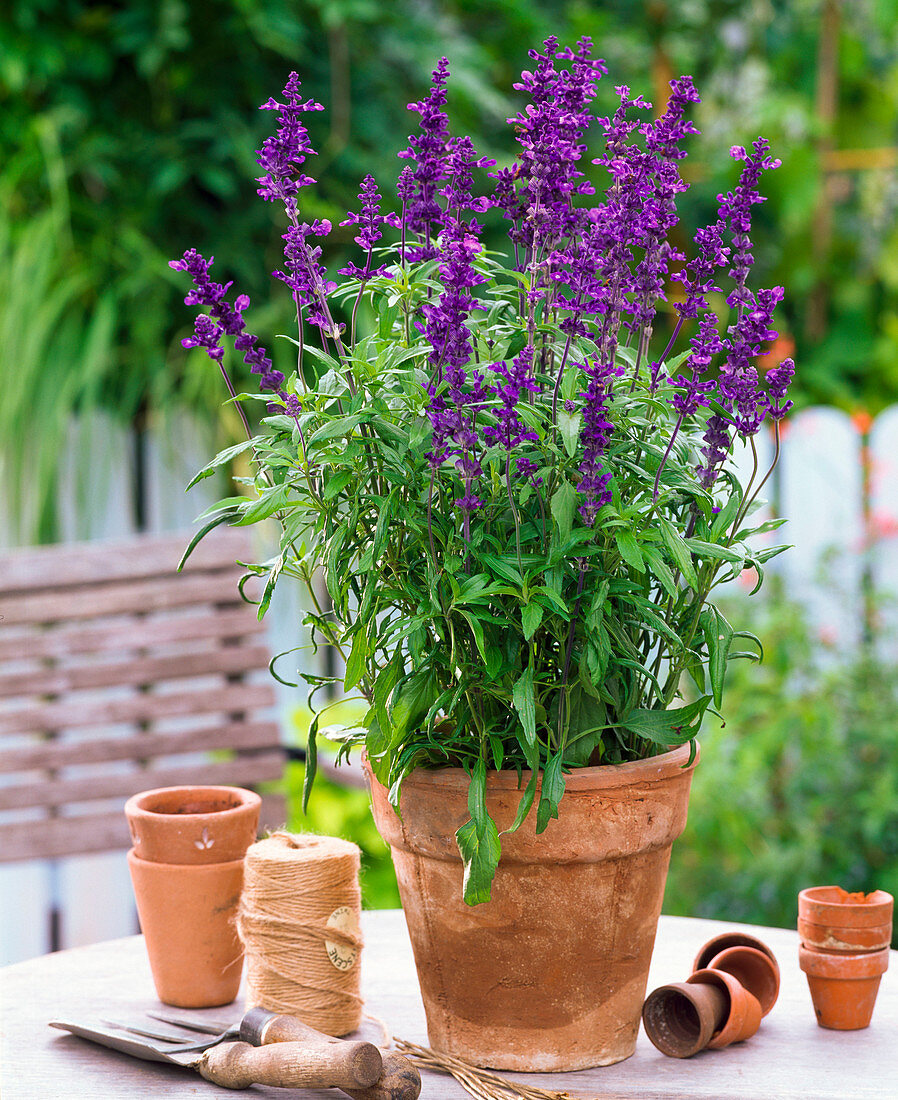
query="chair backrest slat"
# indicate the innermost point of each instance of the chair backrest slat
(117, 674)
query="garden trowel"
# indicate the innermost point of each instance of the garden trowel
(301, 1062)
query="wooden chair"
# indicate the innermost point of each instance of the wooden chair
(118, 674)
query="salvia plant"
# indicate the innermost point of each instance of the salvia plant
(517, 495)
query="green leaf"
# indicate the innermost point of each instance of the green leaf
(667, 727)
(569, 426)
(271, 501)
(718, 638)
(531, 617)
(355, 663)
(661, 570)
(677, 549)
(551, 793)
(337, 483)
(711, 550)
(224, 457)
(564, 507)
(341, 426)
(523, 696)
(478, 842)
(477, 630)
(311, 767)
(586, 722)
(411, 702)
(203, 531)
(629, 549)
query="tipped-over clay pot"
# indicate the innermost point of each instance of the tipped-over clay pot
(834, 921)
(743, 1009)
(680, 1018)
(731, 939)
(843, 987)
(193, 824)
(757, 972)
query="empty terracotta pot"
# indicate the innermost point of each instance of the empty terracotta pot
(187, 915)
(757, 972)
(731, 939)
(680, 1019)
(834, 921)
(193, 824)
(743, 1009)
(843, 987)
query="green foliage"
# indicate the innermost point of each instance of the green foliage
(800, 789)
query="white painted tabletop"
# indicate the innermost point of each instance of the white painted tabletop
(790, 1058)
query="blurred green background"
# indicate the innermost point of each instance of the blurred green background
(128, 132)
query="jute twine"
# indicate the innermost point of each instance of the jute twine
(299, 924)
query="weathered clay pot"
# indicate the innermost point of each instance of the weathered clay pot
(681, 1018)
(833, 921)
(843, 987)
(187, 871)
(731, 939)
(187, 915)
(551, 973)
(756, 972)
(743, 1016)
(193, 824)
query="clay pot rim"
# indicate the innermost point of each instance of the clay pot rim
(724, 940)
(151, 867)
(136, 805)
(823, 897)
(737, 1022)
(726, 954)
(822, 964)
(602, 777)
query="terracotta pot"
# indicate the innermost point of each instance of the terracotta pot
(843, 987)
(834, 921)
(187, 915)
(193, 824)
(731, 939)
(757, 972)
(680, 1019)
(743, 1009)
(551, 973)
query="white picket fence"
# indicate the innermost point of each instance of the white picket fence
(837, 486)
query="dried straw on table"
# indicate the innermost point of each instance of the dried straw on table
(478, 1082)
(299, 924)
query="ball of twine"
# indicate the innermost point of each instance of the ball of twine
(299, 924)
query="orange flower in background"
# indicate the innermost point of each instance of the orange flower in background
(783, 347)
(862, 420)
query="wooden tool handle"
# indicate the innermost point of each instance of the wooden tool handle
(292, 1065)
(399, 1081)
(261, 1027)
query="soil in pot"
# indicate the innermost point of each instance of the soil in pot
(551, 973)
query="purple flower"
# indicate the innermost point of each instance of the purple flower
(428, 151)
(510, 429)
(715, 450)
(282, 154)
(778, 379)
(223, 319)
(460, 161)
(595, 436)
(369, 221)
(305, 275)
(738, 204)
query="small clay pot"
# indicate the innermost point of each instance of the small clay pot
(834, 921)
(743, 1010)
(188, 918)
(843, 987)
(731, 939)
(680, 1019)
(757, 972)
(193, 825)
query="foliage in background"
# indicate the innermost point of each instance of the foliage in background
(110, 108)
(801, 787)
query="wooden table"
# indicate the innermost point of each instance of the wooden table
(790, 1057)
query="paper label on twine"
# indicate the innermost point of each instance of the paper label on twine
(342, 955)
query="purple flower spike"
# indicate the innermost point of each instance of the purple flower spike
(369, 221)
(281, 155)
(595, 436)
(511, 429)
(423, 214)
(223, 319)
(778, 380)
(305, 275)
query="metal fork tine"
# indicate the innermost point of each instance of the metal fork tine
(206, 1028)
(146, 1033)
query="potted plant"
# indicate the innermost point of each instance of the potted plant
(511, 467)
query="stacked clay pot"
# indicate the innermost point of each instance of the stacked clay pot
(187, 871)
(734, 984)
(844, 952)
